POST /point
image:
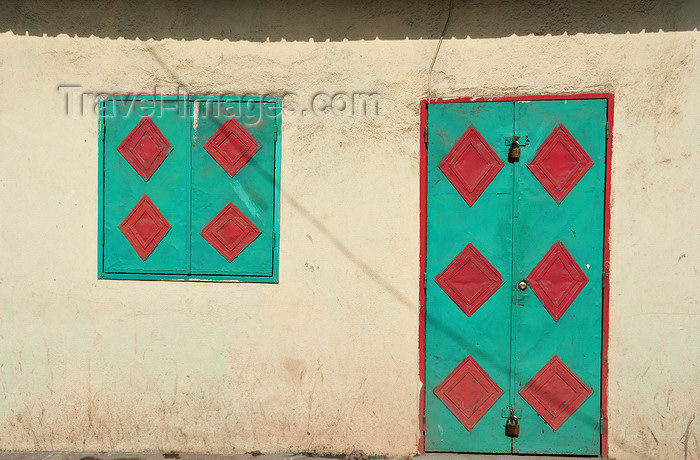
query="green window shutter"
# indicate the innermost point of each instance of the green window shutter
(209, 168)
(251, 190)
(123, 187)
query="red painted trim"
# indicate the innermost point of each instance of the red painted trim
(606, 281)
(421, 293)
(232, 156)
(488, 163)
(545, 394)
(479, 292)
(556, 296)
(230, 245)
(546, 97)
(556, 179)
(606, 245)
(468, 392)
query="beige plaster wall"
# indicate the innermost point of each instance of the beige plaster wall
(328, 358)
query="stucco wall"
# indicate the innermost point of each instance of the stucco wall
(328, 358)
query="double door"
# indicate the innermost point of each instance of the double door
(514, 275)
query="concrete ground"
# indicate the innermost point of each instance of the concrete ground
(249, 456)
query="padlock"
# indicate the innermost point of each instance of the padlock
(512, 427)
(514, 151)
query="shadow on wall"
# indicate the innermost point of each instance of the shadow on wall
(336, 20)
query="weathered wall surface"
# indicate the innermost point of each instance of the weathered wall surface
(328, 358)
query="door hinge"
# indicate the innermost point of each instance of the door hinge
(425, 136)
(274, 238)
(607, 129)
(602, 426)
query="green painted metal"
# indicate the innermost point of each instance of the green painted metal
(451, 336)
(513, 224)
(251, 189)
(577, 222)
(185, 194)
(124, 187)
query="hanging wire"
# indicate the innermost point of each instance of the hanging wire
(437, 50)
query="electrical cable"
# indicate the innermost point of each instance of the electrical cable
(437, 50)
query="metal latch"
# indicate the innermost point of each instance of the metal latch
(522, 139)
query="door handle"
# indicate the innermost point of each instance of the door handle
(522, 285)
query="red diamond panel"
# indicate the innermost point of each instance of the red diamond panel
(469, 280)
(471, 165)
(230, 232)
(560, 163)
(145, 148)
(232, 146)
(144, 227)
(555, 392)
(557, 280)
(468, 392)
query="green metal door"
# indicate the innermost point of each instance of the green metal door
(514, 267)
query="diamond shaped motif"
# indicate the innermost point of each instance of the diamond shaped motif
(144, 227)
(560, 163)
(471, 165)
(468, 392)
(469, 279)
(230, 232)
(145, 148)
(557, 280)
(232, 146)
(555, 392)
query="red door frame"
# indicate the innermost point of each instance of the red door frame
(606, 245)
